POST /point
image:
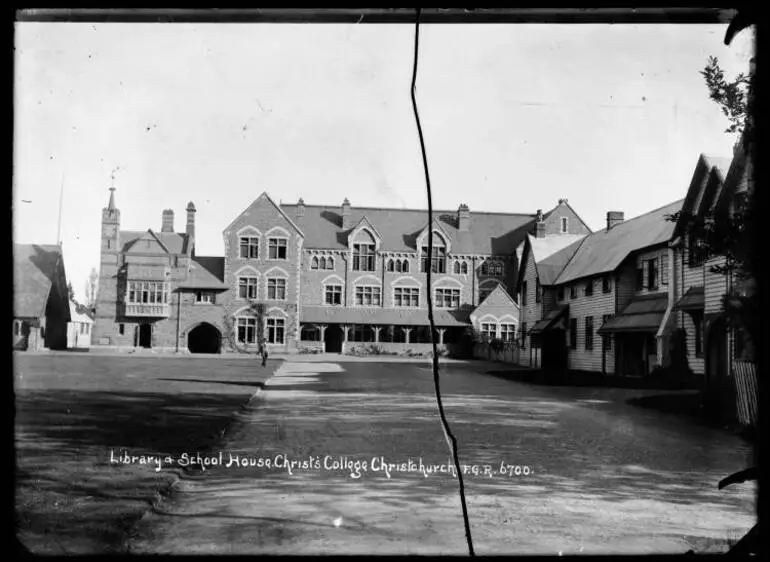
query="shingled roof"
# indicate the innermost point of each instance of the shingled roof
(489, 233)
(34, 271)
(206, 272)
(697, 200)
(604, 251)
(175, 242)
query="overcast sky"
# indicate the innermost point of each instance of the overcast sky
(515, 117)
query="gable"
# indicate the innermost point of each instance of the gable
(146, 244)
(553, 220)
(498, 304)
(263, 214)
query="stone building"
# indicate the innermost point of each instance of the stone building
(307, 276)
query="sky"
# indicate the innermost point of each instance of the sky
(515, 117)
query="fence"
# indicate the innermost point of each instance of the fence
(746, 392)
(509, 353)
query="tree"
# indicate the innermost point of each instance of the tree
(731, 235)
(231, 329)
(71, 292)
(91, 286)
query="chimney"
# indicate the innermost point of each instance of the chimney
(191, 220)
(300, 208)
(539, 224)
(168, 221)
(346, 214)
(562, 201)
(614, 218)
(463, 218)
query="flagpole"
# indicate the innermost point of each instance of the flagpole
(61, 202)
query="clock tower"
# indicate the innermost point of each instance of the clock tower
(104, 327)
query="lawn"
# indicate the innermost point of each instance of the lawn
(76, 411)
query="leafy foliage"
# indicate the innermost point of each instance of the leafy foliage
(732, 96)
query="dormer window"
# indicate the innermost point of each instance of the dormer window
(437, 259)
(363, 257)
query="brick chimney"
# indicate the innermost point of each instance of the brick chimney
(346, 214)
(300, 208)
(463, 218)
(614, 218)
(190, 220)
(168, 221)
(539, 225)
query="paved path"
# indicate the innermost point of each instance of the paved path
(604, 477)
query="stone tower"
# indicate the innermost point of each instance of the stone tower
(109, 263)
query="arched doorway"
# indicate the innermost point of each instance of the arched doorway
(204, 338)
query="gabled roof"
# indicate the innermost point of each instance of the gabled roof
(366, 223)
(541, 249)
(692, 201)
(498, 297)
(733, 181)
(604, 251)
(206, 272)
(549, 268)
(566, 204)
(489, 233)
(34, 272)
(173, 242)
(279, 208)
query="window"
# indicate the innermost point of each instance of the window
(368, 295)
(333, 294)
(564, 225)
(606, 284)
(697, 250)
(589, 326)
(640, 278)
(398, 266)
(147, 292)
(314, 263)
(17, 327)
(573, 333)
(538, 291)
(275, 329)
(437, 260)
(464, 268)
(524, 294)
(405, 266)
(249, 247)
(484, 293)
(560, 293)
(406, 297)
(276, 289)
(457, 268)
(448, 298)
(573, 292)
(664, 269)
(488, 330)
(652, 274)
(485, 268)
(121, 329)
(276, 248)
(247, 330)
(204, 297)
(697, 319)
(606, 338)
(330, 263)
(391, 267)
(247, 287)
(363, 257)
(507, 332)
(590, 288)
(322, 263)
(88, 329)
(496, 268)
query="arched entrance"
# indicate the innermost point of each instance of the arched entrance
(204, 338)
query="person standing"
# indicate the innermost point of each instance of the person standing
(263, 352)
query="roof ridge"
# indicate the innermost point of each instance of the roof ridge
(412, 210)
(638, 216)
